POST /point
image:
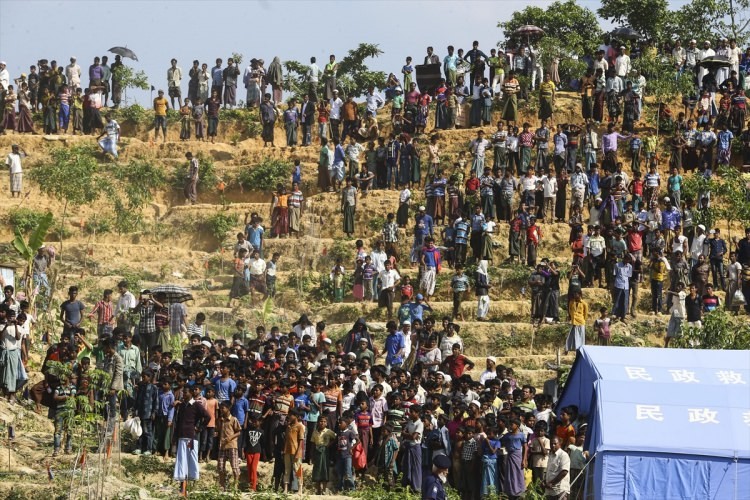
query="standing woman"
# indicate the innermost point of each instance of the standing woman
(198, 111)
(268, 116)
(275, 77)
(514, 443)
(25, 123)
(252, 84)
(348, 206)
(553, 71)
(49, 105)
(9, 107)
(423, 113)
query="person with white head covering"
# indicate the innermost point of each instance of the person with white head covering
(482, 290)
(4, 75)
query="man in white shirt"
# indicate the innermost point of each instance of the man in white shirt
(596, 245)
(13, 161)
(549, 185)
(378, 257)
(622, 63)
(490, 372)
(125, 304)
(704, 53)
(696, 248)
(73, 74)
(678, 55)
(313, 76)
(373, 101)
(578, 183)
(335, 114)
(601, 63)
(174, 79)
(557, 477)
(4, 75)
(691, 56)
(734, 57)
(389, 280)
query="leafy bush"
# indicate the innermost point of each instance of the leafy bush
(25, 219)
(720, 331)
(135, 113)
(266, 175)
(220, 224)
(376, 223)
(98, 225)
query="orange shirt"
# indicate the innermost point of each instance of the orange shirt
(295, 434)
(212, 406)
(566, 434)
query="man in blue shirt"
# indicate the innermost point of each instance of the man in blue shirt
(717, 248)
(424, 226)
(394, 347)
(449, 66)
(418, 308)
(461, 239)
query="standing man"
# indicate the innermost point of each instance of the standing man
(174, 79)
(335, 115)
(433, 485)
(191, 185)
(450, 63)
(161, 105)
(307, 113)
(125, 304)
(329, 73)
(557, 477)
(313, 75)
(431, 58)
(296, 202)
(95, 74)
(191, 415)
(622, 64)
(230, 75)
(13, 161)
(106, 75)
(217, 78)
(73, 74)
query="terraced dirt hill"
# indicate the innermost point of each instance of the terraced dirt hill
(177, 244)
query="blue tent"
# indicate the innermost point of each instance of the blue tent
(664, 423)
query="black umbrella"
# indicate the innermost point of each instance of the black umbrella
(713, 63)
(124, 52)
(528, 30)
(625, 33)
(174, 293)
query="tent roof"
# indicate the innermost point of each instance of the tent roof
(671, 418)
(666, 368)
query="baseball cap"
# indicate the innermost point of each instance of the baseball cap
(492, 358)
(701, 227)
(420, 296)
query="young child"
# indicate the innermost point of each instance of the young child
(253, 444)
(601, 327)
(459, 286)
(164, 418)
(387, 457)
(271, 274)
(490, 446)
(368, 275)
(539, 447)
(321, 439)
(146, 404)
(363, 418)
(345, 441)
(64, 391)
(337, 278)
(294, 452)
(240, 409)
(578, 459)
(228, 431)
(207, 435)
(469, 466)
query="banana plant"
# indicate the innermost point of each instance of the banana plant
(28, 248)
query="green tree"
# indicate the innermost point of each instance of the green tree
(647, 17)
(661, 83)
(137, 180)
(72, 177)
(28, 248)
(734, 198)
(353, 76)
(130, 79)
(574, 28)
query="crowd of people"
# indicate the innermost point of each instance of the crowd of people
(403, 401)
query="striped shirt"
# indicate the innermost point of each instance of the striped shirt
(104, 312)
(295, 199)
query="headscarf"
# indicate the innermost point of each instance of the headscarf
(274, 75)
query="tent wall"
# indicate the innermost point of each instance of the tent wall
(664, 476)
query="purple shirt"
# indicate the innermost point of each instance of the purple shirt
(670, 219)
(609, 141)
(95, 72)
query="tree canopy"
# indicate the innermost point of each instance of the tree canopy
(574, 27)
(352, 78)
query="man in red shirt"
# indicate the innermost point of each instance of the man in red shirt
(456, 363)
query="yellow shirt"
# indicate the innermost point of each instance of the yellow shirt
(547, 88)
(160, 106)
(658, 270)
(578, 312)
(324, 438)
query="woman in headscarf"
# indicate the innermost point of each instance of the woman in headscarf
(482, 290)
(441, 110)
(359, 331)
(275, 77)
(252, 80)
